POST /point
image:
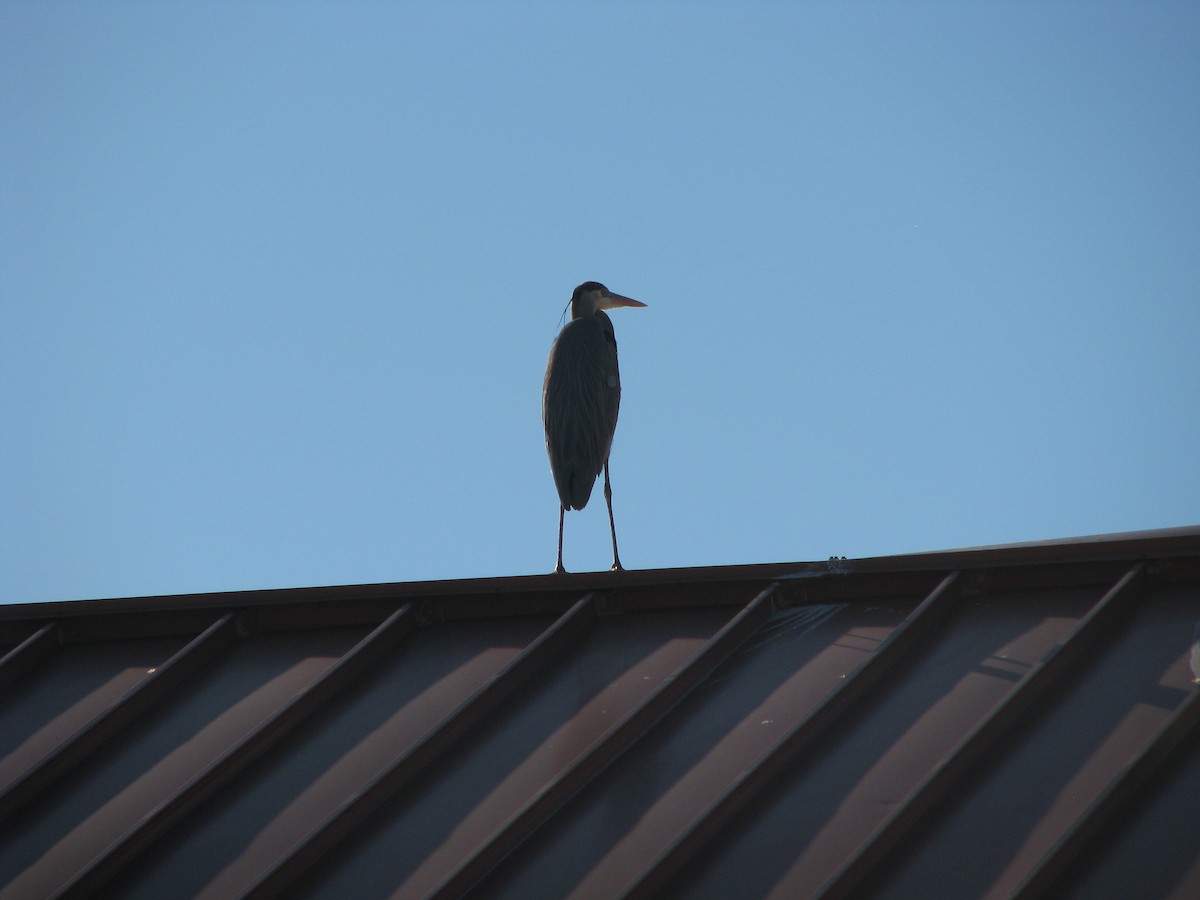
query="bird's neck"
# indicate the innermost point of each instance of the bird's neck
(581, 310)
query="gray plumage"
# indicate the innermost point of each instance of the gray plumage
(580, 399)
(581, 396)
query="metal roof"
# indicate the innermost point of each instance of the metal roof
(1008, 721)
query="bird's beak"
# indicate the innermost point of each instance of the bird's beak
(612, 301)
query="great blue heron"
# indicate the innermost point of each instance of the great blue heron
(580, 399)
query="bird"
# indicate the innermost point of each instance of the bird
(580, 398)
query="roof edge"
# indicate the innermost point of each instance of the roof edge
(1164, 543)
(1155, 534)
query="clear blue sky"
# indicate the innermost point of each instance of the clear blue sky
(278, 282)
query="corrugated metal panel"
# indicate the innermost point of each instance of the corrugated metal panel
(994, 722)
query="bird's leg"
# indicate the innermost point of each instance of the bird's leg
(558, 569)
(616, 566)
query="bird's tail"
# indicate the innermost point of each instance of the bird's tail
(575, 489)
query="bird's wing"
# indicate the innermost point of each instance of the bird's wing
(580, 400)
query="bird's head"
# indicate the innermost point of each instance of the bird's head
(591, 297)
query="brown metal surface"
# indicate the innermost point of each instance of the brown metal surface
(817, 813)
(418, 839)
(687, 765)
(28, 652)
(1027, 725)
(60, 696)
(315, 788)
(242, 753)
(1056, 758)
(159, 681)
(1152, 848)
(438, 740)
(76, 822)
(945, 775)
(1120, 793)
(614, 742)
(688, 840)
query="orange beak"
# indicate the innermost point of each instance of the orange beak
(612, 301)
